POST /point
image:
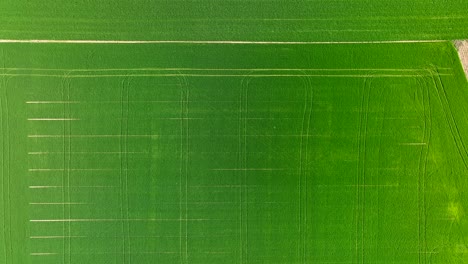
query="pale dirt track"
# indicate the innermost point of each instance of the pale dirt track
(462, 47)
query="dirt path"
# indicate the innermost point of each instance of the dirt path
(462, 47)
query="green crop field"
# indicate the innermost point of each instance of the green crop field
(233, 132)
(233, 153)
(280, 20)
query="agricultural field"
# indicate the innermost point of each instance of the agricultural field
(240, 152)
(254, 20)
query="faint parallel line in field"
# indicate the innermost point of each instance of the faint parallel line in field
(357, 185)
(66, 203)
(54, 237)
(94, 136)
(212, 118)
(52, 102)
(164, 118)
(359, 204)
(220, 169)
(201, 135)
(75, 169)
(223, 186)
(129, 252)
(238, 42)
(168, 236)
(106, 253)
(247, 169)
(44, 187)
(43, 254)
(177, 101)
(53, 119)
(160, 135)
(231, 75)
(353, 18)
(156, 101)
(227, 118)
(125, 220)
(236, 203)
(83, 152)
(59, 187)
(171, 203)
(224, 69)
(395, 118)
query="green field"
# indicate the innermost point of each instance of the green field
(233, 131)
(233, 153)
(279, 20)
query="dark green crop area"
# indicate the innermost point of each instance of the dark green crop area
(279, 20)
(233, 153)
